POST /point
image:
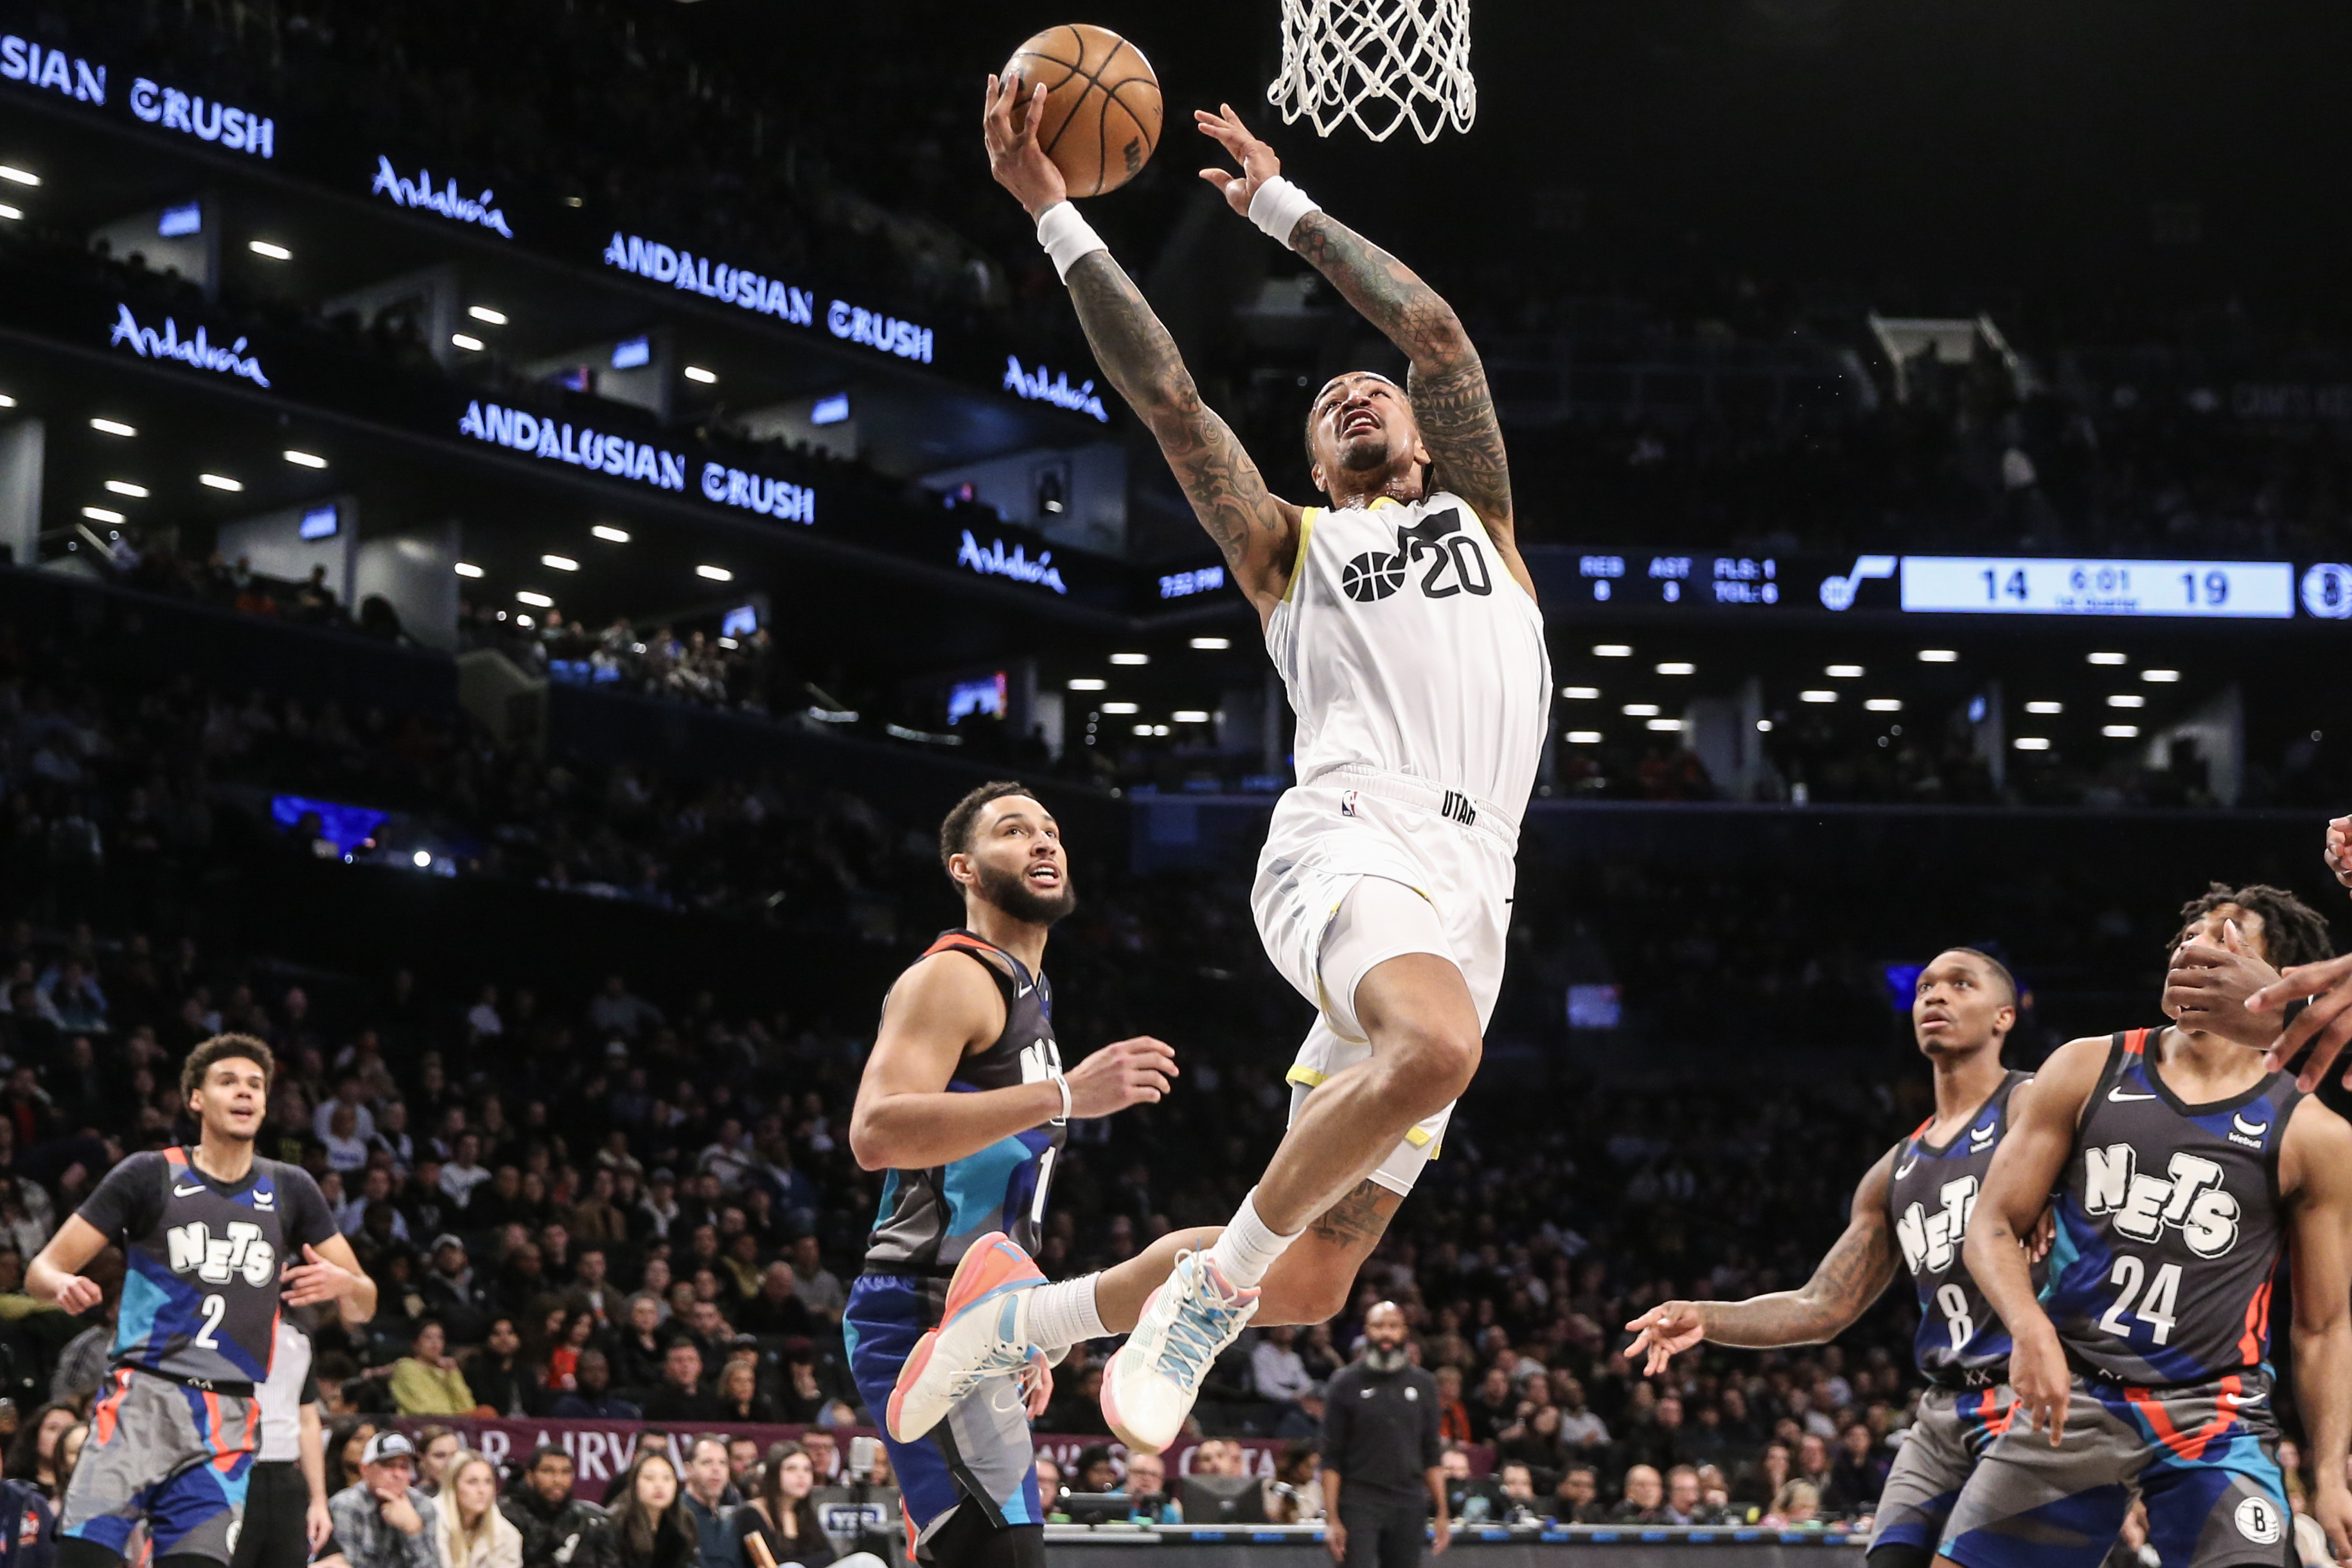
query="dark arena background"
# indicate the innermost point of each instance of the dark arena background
(521, 517)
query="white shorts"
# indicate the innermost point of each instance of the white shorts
(1456, 855)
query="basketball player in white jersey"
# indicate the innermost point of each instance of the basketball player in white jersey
(1404, 622)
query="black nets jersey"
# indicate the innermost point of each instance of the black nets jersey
(1960, 1343)
(2170, 1226)
(200, 1292)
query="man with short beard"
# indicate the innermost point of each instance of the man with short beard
(964, 1102)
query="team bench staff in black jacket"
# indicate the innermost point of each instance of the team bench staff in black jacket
(1380, 1470)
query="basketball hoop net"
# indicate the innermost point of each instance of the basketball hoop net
(1380, 63)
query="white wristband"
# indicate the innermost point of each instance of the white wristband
(1063, 1084)
(1277, 208)
(1066, 236)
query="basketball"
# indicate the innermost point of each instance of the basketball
(1102, 104)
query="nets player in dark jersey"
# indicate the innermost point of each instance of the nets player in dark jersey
(216, 1237)
(1912, 1210)
(2182, 1168)
(964, 1104)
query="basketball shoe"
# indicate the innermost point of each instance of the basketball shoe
(983, 1332)
(1150, 1385)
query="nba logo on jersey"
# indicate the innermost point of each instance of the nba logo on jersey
(1348, 804)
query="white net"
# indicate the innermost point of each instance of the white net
(1380, 63)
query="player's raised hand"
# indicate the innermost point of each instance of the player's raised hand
(2209, 986)
(1666, 1331)
(2326, 1024)
(316, 1280)
(1130, 1072)
(1010, 126)
(2338, 852)
(77, 1295)
(1258, 160)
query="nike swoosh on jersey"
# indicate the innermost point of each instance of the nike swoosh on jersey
(2119, 1096)
(1906, 1168)
(187, 1191)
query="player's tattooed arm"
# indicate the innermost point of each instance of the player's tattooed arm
(1256, 529)
(1451, 398)
(1857, 1268)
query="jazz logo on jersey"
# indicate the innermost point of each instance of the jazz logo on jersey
(218, 1259)
(1931, 1240)
(2190, 1198)
(1455, 565)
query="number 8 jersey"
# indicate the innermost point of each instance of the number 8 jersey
(2170, 1226)
(1933, 1191)
(201, 1285)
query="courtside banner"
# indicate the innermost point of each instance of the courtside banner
(600, 1449)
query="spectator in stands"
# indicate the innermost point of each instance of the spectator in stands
(783, 1515)
(709, 1502)
(1453, 1415)
(1494, 1407)
(1276, 1373)
(1517, 1485)
(649, 1527)
(383, 1520)
(427, 1381)
(738, 1395)
(473, 1534)
(1645, 1499)
(778, 1308)
(495, 1372)
(680, 1396)
(463, 1171)
(1859, 1474)
(592, 1399)
(818, 1287)
(1761, 1481)
(553, 1524)
(33, 1454)
(1685, 1503)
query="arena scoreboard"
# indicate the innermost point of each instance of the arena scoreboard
(1778, 586)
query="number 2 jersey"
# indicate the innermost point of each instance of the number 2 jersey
(1409, 648)
(2170, 1226)
(1960, 1343)
(200, 1292)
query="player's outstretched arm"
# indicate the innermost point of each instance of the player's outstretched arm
(1448, 382)
(1851, 1276)
(56, 1276)
(1257, 530)
(2315, 1160)
(2025, 1170)
(905, 1117)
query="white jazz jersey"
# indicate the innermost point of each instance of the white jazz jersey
(1408, 649)
(1417, 667)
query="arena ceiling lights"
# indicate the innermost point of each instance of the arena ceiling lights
(1086, 684)
(2160, 677)
(17, 176)
(139, 493)
(304, 459)
(1213, 644)
(1939, 655)
(467, 568)
(715, 574)
(113, 427)
(263, 248)
(560, 562)
(1130, 658)
(220, 482)
(2109, 659)
(611, 535)
(484, 313)
(536, 601)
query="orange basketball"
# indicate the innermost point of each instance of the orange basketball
(1102, 104)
